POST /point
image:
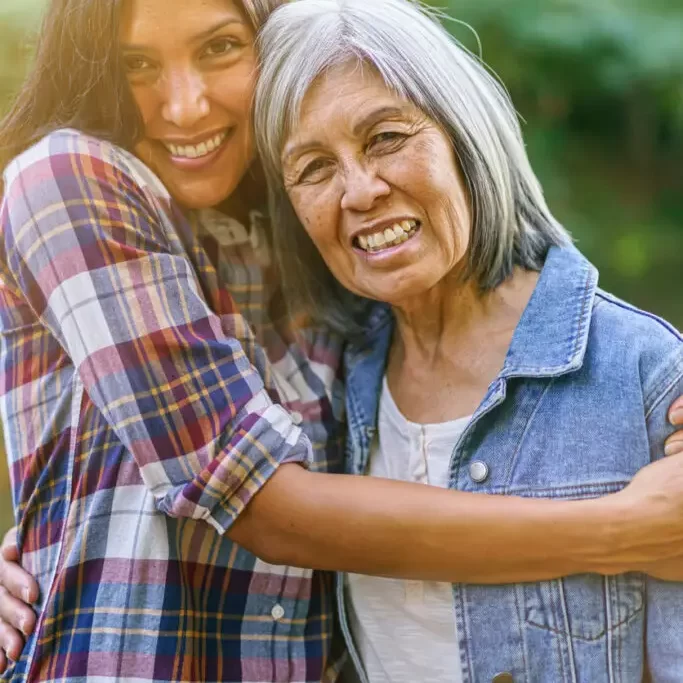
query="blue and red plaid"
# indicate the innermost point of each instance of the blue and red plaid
(147, 396)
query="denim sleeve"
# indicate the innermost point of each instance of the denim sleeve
(664, 635)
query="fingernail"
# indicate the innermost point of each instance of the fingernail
(23, 626)
(27, 595)
(674, 447)
(676, 417)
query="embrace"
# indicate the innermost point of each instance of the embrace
(303, 381)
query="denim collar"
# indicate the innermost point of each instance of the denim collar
(552, 334)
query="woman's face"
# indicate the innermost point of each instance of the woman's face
(377, 187)
(191, 67)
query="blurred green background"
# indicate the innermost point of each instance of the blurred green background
(599, 85)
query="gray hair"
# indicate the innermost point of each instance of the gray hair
(422, 63)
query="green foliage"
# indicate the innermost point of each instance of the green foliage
(18, 21)
(599, 86)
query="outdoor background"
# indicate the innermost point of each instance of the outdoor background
(599, 84)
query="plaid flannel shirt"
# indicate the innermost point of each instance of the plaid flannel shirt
(147, 396)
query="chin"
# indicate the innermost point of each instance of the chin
(202, 194)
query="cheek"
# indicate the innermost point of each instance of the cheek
(310, 208)
(233, 92)
(146, 102)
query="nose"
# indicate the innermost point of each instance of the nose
(363, 187)
(185, 98)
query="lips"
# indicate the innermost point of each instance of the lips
(196, 151)
(388, 237)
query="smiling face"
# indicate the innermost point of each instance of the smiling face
(191, 68)
(376, 185)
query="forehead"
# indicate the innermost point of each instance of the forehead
(151, 22)
(345, 95)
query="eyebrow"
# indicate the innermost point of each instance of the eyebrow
(203, 35)
(373, 117)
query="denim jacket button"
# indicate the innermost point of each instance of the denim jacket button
(503, 678)
(479, 473)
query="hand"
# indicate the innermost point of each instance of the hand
(17, 591)
(674, 444)
(652, 508)
(649, 511)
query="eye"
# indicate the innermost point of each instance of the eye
(136, 63)
(387, 139)
(219, 47)
(314, 171)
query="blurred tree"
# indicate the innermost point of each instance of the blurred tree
(599, 85)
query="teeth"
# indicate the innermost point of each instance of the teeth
(196, 151)
(390, 237)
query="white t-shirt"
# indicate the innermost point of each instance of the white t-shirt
(405, 631)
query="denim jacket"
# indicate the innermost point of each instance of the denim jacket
(578, 408)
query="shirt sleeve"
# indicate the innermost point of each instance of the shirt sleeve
(83, 241)
(664, 619)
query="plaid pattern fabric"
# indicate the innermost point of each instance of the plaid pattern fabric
(147, 396)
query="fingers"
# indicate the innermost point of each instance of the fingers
(10, 641)
(9, 550)
(16, 617)
(676, 412)
(16, 614)
(20, 584)
(674, 444)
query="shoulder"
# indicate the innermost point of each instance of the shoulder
(72, 177)
(640, 340)
(69, 194)
(63, 153)
(67, 164)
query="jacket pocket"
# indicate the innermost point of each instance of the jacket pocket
(586, 606)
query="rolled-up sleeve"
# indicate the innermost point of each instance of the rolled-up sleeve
(84, 244)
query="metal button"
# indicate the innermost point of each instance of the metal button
(503, 678)
(479, 472)
(277, 612)
(297, 418)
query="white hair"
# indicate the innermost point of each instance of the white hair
(422, 63)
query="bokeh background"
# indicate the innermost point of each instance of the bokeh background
(599, 86)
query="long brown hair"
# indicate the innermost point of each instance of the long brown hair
(76, 80)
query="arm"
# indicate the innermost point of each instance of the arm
(84, 244)
(306, 519)
(644, 544)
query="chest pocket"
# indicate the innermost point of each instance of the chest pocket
(586, 606)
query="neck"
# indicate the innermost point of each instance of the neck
(456, 316)
(248, 196)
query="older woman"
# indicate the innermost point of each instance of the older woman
(498, 365)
